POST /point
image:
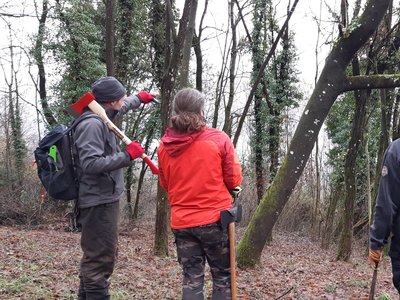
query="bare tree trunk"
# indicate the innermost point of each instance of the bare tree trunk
(317, 171)
(17, 159)
(198, 51)
(199, 62)
(7, 158)
(227, 128)
(187, 46)
(128, 185)
(172, 61)
(368, 162)
(317, 199)
(356, 137)
(38, 55)
(221, 83)
(110, 36)
(149, 138)
(335, 195)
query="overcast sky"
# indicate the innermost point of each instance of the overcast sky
(303, 23)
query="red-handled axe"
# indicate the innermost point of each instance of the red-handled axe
(88, 100)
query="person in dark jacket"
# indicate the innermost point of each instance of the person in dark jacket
(386, 218)
(198, 166)
(99, 163)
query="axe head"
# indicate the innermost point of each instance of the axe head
(77, 108)
(231, 215)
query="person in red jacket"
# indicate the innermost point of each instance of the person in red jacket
(198, 166)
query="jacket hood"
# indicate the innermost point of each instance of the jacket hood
(175, 143)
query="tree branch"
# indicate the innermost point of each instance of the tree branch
(369, 82)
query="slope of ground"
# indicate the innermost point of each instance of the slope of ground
(43, 264)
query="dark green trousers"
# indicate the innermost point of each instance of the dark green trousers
(99, 239)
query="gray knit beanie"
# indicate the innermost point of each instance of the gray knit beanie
(108, 89)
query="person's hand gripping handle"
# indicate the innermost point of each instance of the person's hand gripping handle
(135, 150)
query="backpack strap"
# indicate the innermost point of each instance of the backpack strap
(72, 126)
(84, 116)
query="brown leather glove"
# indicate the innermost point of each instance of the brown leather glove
(375, 256)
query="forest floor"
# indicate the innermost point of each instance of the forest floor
(42, 263)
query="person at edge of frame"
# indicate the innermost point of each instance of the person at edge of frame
(99, 164)
(198, 166)
(386, 217)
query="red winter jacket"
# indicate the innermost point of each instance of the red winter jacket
(197, 170)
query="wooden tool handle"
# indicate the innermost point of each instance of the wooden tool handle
(99, 110)
(231, 231)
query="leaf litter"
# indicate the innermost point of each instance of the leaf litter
(44, 264)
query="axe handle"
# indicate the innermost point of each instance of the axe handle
(373, 284)
(231, 231)
(99, 110)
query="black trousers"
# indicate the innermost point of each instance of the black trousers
(396, 272)
(99, 239)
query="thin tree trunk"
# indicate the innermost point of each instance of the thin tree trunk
(198, 51)
(187, 46)
(135, 213)
(199, 62)
(38, 55)
(227, 128)
(368, 179)
(317, 171)
(356, 138)
(330, 217)
(315, 216)
(221, 83)
(110, 36)
(128, 185)
(149, 138)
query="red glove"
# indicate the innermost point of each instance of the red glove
(145, 97)
(134, 150)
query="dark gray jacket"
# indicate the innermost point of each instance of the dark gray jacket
(386, 219)
(99, 160)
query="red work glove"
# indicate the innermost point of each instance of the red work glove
(134, 150)
(375, 256)
(145, 97)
